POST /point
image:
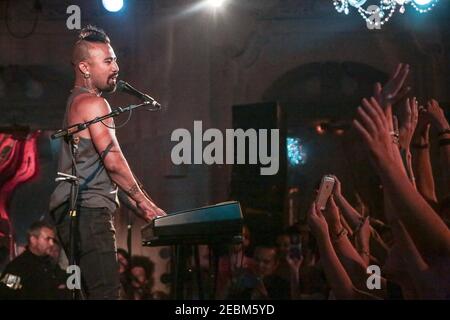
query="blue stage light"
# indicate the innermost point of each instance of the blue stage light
(295, 152)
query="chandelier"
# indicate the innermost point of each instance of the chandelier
(378, 15)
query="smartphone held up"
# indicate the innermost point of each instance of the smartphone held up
(325, 191)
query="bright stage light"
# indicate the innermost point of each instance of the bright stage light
(216, 3)
(113, 5)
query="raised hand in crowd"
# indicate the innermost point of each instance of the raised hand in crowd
(338, 279)
(294, 265)
(377, 246)
(391, 93)
(352, 216)
(362, 240)
(440, 124)
(436, 116)
(431, 281)
(408, 118)
(294, 262)
(394, 269)
(349, 257)
(394, 90)
(421, 159)
(376, 129)
(423, 224)
(408, 115)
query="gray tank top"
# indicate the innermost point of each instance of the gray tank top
(96, 188)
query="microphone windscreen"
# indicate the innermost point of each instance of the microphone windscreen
(121, 85)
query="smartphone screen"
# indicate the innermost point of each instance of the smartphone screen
(325, 190)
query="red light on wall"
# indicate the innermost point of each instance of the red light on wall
(320, 129)
(339, 132)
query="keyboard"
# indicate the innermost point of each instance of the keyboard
(220, 223)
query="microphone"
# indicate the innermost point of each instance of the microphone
(127, 88)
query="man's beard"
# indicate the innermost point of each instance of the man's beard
(111, 85)
(110, 89)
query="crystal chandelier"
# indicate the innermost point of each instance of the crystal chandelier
(378, 14)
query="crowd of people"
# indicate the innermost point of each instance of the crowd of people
(344, 252)
(341, 252)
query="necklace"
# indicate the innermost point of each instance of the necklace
(88, 90)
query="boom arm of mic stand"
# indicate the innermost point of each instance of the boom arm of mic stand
(82, 126)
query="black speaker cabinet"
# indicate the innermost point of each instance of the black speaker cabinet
(258, 193)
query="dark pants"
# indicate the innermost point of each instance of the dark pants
(96, 249)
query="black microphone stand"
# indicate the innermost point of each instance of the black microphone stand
(74, 188)
(68, 135)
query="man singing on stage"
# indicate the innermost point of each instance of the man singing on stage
(100, 167)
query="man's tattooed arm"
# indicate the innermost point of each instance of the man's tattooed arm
(133, 190)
